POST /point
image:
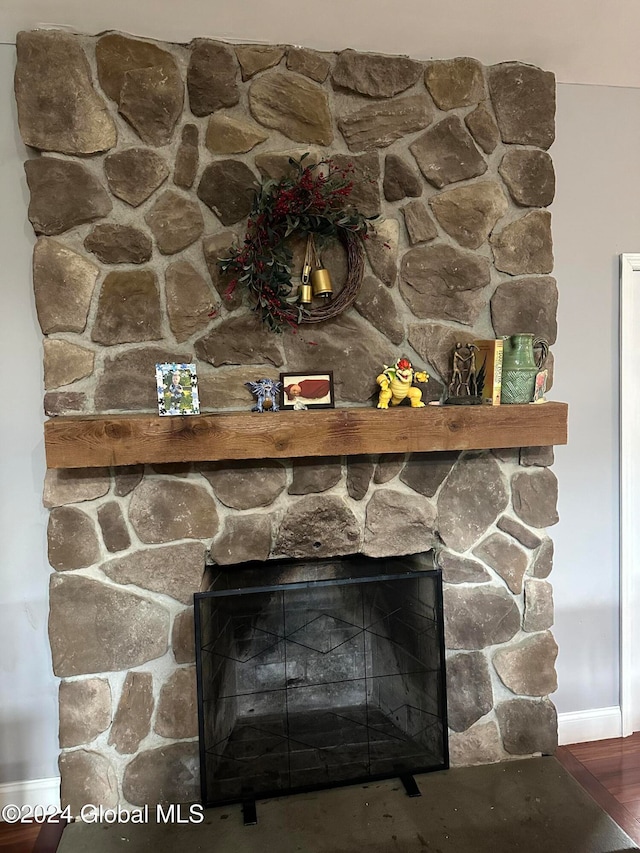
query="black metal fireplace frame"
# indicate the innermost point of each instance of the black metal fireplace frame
(227, 584)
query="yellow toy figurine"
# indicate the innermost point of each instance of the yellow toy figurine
(396, 384)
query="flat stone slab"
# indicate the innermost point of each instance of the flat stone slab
(162, 510)
(94, 627)
(189, 300)
(528, 667)
(529, 304)
(380, 124)
(524, 99)
(244, 538)
(246, 485)
(470, 213)
(128, 308)
(177, 715)
(228, 187)
(397, 523)
(469, 693)
(374, 74)
(529, 176)
(119, 244)
(135, 174)
(477, 617)
(58, 108)
(455, 83)
(63, 194)
(211, 77)
(132, 719)
(85, 710)
(63, 281)
(318, 526)
(525, 246)
(293, 105)
(173, 570)
(175, 221)
(65, 362)
(446, 153)
(254, 58)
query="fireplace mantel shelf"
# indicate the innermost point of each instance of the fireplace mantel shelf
(111, 440)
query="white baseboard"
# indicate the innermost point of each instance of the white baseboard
(594, 724)
(33, 792)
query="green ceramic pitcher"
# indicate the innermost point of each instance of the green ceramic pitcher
(520, 367)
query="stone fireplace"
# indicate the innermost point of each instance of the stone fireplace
(148, 158)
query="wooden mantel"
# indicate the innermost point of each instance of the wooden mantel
(110, 440)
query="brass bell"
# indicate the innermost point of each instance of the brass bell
(321, 283)
(304, 294)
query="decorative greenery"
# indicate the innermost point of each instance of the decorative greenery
(313, 201)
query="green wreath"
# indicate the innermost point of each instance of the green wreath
(312, 201)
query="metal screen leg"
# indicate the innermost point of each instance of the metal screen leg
(410, 786)
(249, 815)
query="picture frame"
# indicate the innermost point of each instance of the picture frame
(177, 387)
(307, 390)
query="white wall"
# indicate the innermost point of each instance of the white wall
(596, 216)
(28, 705)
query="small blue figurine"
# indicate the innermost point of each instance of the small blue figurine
(266, 392)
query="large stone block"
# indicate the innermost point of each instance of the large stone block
(293, 105)
(228, 188)
(538, 605)
(87, 777)
(308, 62)
(318, 526)
(526, 306)
(529, 176)
(504, 557)
(64, 363)
(240, 340)
(151, 101)
(315, 474)
(174, 570)
(375, 304)
(382, 250)
(117, 55)
(187, 157)
(480, 744)
(528, 667)
(211, 77)
(119, 244)
(73, 485)
(426, 472)
(224, 387)
(189, 300)
(420, 226)
(135, 174)
(365, 175)
(524, 99)
(120, 388)
(229, 135)
(162, 510)
(483, 128)
(471, 499)
(175, 221)
(400, 179)
(469, 693)
(397, 523)
(73, 541)
(85, 710)
(254, 58)
(455, 82)
(246, 485)
(113, 526)
(457, 569)
(97, 628)
(58, 108)
(183, 637)
(169, 774)
(469, 213)
(63, 282)
(441, 282)
(374, 74)
(128, 308)
(528, 726)
(525, 246)
(525, 536)
(244, 538)
(359, 473)
(63, 194)
(389, 466)
(446, 153)
(132, 720)
(356, 351)
(477, 617)
(381, 123)
(535, 497)
(177, 714)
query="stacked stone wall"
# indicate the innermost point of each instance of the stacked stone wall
(148, 159)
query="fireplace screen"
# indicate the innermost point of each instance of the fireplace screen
(312, 674)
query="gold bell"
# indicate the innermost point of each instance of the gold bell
(304, 294)
(321, 283)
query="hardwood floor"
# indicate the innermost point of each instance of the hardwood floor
(30, 837)
(609, 770)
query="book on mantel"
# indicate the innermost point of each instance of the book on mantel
(489, 369)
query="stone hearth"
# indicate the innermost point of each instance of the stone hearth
(149, 155)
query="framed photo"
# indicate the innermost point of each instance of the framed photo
(307, 390)
(177, 389)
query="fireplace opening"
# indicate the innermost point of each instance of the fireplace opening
(319, 673)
